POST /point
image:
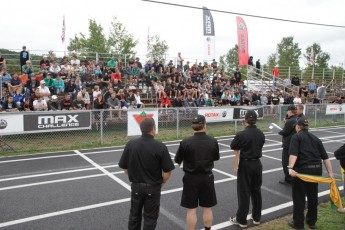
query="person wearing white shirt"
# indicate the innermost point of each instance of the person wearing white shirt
(44, 90)
(40, 104)
(55, 69)
(75, 61)
(297, 100)
(138, 101)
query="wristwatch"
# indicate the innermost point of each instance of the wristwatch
(289, 167)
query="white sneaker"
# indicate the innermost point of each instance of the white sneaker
(255, 222)
(234, 222)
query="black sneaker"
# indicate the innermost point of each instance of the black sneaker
(234, 222)
(255, 222)
(284, 182)
(292, 225)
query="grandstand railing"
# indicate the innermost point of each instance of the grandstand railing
(109, 127)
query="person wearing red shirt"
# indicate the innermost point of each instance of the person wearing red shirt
(165, 101)
(275, 73)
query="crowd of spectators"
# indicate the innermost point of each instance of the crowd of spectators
(73, 84)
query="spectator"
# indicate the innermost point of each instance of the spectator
(165, 101)
(59, 85)
(139, 103)
(250, 61)
(23, 57)
(179, 61)
(112, 63)
(287, 83)
(312, 86)
(9, 105)
(45, 61)
(186, 67)
(6, 77)
(238, 75)
(27, 69)
(55, 69)
(275, 73)
(86, 97)
(296, 82)
(71, 88)
(18, 99)
(75, 62)
(258, 67)
(40, 104)
(2, 62)
(44, 90)
(31, 85)
(53, 103)
(79, 104)
(138, 63)
(66, 103)
(189, 102)
(122, 98)
(116, 76)
(178, 103)
(14, 84)
(49, 83)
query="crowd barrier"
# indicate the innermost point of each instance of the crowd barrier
(63, 130)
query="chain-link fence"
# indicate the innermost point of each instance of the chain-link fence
(110, 127)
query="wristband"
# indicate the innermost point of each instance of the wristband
(289, 167)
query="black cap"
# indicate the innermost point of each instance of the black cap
(292, 107)
(250, 115)
(199, 119)
(303, 122)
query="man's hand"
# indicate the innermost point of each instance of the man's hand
(293, 173)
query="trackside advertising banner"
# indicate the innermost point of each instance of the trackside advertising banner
(11, 123)
(209, 34)
(240, 112)
(335, 109)
(47, 122)
(217, 115)
(136, 117)
(242, 37)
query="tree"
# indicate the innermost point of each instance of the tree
(120, 40)
(320, 58)
(289, 54)
(159, 49)
(229, 61)
(96, 42)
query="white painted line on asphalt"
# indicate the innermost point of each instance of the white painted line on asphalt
(38, 158)
(274, 158)
(224, 173)
(275, 192)
(106, 172)
(267, 211)
(224, 145)
(53, 173)
(273, 141)
(63, 212)
(54, 181)
(327, 131)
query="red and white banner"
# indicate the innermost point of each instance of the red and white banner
(135, 117)
(242, 36)
(217, 115)
(335, 109)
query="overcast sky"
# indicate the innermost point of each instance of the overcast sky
(38, 24)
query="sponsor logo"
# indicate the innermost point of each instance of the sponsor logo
(224, 113)
(334, 109)
(3, 124)
(243, 112)
(140, 117)
(340, 108)
(208, 39)
(241, 26)
(208, 24)
(57, 121)
(212, 114)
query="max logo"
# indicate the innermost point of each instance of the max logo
(57, 119)
(140, 117)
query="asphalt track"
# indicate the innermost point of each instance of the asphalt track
(85, 189)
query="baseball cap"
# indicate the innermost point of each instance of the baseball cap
(292, 107)
(54, 97)
(303, 122)
(199, 119)
(42, 82)
(250, 115)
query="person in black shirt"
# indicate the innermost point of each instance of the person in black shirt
(340, 155)
(305, 154)
(247, 146)
(299, 112)
(198, 153)
(148, 165)
(23, 57)
(287, 132)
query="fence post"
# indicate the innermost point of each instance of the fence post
(289, 72)
(101, 126)
(280, 115)
(235, 126)
(315, 109)
(177, 122)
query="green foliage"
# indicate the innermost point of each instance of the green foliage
(120, 39)
(320, 58)
(159, 50)
(229, 61)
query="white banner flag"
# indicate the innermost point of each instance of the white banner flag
(135, 117)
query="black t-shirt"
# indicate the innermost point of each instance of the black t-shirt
(288, 130)
(275, 101)
(78, 104)
(145, 158)
(198, 153)
(250, 142)
(308, 148)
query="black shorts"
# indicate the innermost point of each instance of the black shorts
(198, 190)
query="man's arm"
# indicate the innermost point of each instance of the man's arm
(329, 168)
(237, 156)
(166, 176)
(292, 161)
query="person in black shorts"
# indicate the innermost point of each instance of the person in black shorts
(198, 153)
(247, 146)
(340, 155)
(148, 165)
